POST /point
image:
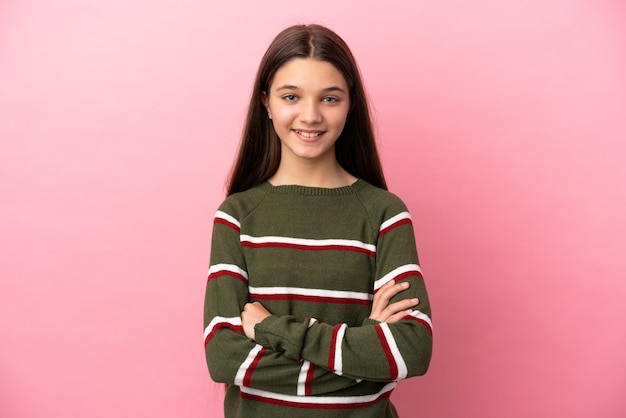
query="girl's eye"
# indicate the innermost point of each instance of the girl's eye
(290, 97)
(330, 100)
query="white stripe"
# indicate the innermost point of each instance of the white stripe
(228, 267)
(311, 322)
(338, 351)
(310, 292)
(247, 362)
(396, 272)
(399, 217)
(320, 400)
(302, 377)
(395, 351)
(307, 242)
(227, 217)
(221, 320)
(423, 317)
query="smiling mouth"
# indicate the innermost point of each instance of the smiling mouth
(309, 134)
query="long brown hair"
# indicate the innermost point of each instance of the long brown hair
(259, 152)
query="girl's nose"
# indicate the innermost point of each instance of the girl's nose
(310, 112)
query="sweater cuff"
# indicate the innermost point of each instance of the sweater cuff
(260, 332)
(282, 334)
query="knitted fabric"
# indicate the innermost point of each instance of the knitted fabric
(314, 257)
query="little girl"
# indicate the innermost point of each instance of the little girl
(315, 302)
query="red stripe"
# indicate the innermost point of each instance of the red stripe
(308, 247)
(221, 273)
(308, 383)
(393, 367)
(309, 298)
(217, 327)
(306, 405)
(227, 223)
(421, 321)
(406, 221)
(406, 274)
(248, 376)
(333, 346)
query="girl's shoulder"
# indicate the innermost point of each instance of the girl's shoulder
(241, 203)
(382, 206)
(378, 199)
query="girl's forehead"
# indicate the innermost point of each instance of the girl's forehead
(305, 73)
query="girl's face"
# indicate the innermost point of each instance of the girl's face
(308, 102)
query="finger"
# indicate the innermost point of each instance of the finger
(399, 306)
(388, 291)
(403, 304)
(385, 293)
(382, 291)
(396, 288)
(383, 296)
(398, 316)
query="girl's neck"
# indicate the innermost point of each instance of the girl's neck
(303, 173)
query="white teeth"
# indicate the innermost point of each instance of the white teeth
(309, 134)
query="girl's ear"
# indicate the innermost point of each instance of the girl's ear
(266, 103)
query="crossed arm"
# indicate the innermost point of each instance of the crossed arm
(247, 345)
(382, 310)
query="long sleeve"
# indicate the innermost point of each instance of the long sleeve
(232, 357)
(314, 258)
(373, 351)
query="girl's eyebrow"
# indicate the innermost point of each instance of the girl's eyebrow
(334, 88)
(326, 90)
(287, 87)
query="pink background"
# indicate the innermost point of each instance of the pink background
(501, 124)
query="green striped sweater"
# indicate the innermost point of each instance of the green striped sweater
(314, 257)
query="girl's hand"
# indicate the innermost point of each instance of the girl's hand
(382, 311)
(252, 314)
